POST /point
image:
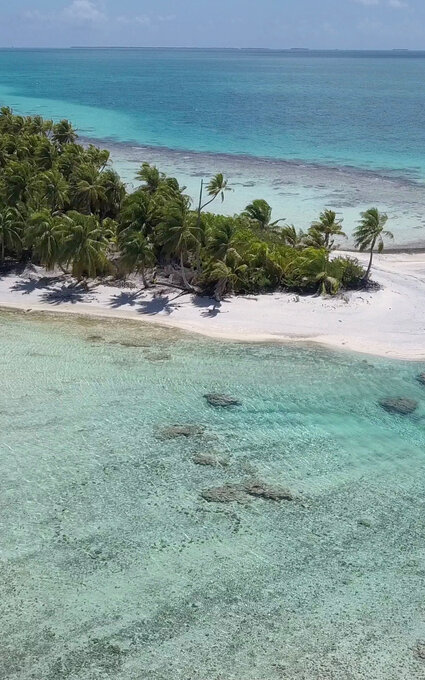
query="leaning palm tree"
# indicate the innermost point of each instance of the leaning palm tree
(260, 213)
(329, 226)
(136, 254)
(370, 233)
(11, 226)
(217, 186)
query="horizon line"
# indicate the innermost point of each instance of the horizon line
(234, 49)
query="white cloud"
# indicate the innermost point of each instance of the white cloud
(84, 10)
(398, 4)
(368, 3)
(395, 4)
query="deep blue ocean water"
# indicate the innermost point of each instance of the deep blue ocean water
(362, 109)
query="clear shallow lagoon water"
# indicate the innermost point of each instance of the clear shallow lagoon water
(113, 566)
(319, 111)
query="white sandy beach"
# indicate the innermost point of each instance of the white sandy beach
(388, 322)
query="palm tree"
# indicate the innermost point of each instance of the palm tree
(151, 178)
(114, 191)
(222, 240)
(217, 186)
(55, 189)
(292, 237)
(224, 277)
(138, 213)
(136, 254)
(370, 232)
(314, 265)
(11, 225)
(85, 244)
(18, 182)
(89, 192)
(45, 154)
(44, 236)
(64, 133)
(178, 233)
(328, 225)
(260, 212)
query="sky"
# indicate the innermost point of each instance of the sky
(320, 24)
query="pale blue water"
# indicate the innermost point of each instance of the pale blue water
(113, 567)
(196, 112)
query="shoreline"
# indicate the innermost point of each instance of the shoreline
(389, 322)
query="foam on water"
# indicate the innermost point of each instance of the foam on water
(113, 566)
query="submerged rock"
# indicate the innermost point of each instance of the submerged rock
(224, 494)
(221, 400)
(161, 356)
(174, 431)
(421, 378)
(400, 405)
(209, 459)
(420, 650)
(273, 493)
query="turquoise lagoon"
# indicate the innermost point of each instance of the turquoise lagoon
(113, 566)
(337, 129)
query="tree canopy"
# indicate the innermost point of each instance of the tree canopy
(61, 204)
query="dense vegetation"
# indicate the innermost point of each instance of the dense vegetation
(61, 205)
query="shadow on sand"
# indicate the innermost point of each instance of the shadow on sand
(70, 294)
(160, 303)
(30, 285)
(125, 298)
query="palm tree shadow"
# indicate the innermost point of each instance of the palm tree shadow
(30, 285)
(70, 294)
(160, 303)
(124, 298)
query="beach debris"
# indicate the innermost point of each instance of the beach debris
(175, 431)
(225, 494)
(400, 405)
(209, 460)
(267, 491)
(221, 400)
(421, 378)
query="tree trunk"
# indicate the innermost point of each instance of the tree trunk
(145, 283)
(369, 267)
(2, 249)
(185, 281)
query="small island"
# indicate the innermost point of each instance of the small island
(72, 236)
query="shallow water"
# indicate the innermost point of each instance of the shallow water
(113, 566)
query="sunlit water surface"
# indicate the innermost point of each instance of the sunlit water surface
(113, 566)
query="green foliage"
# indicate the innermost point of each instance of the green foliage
(62, 205)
